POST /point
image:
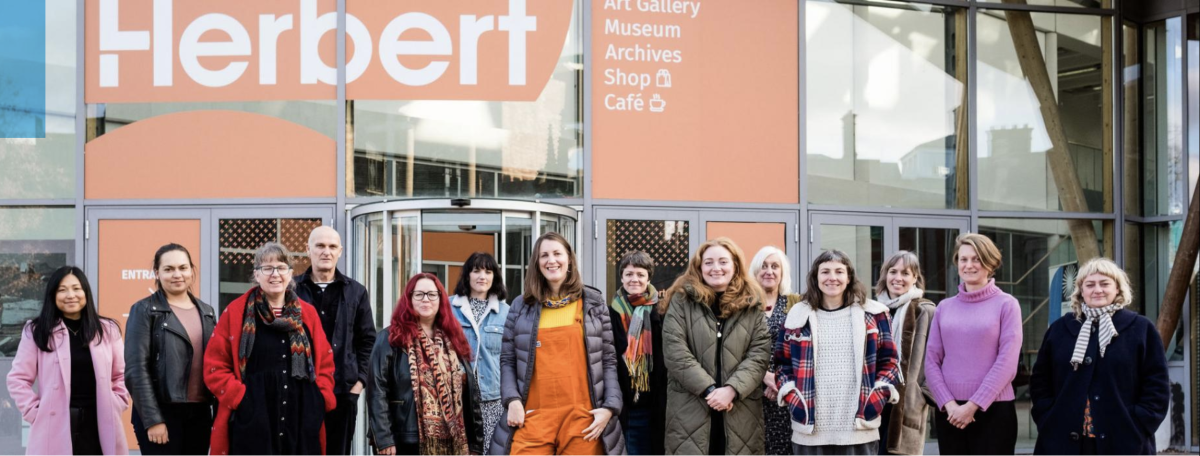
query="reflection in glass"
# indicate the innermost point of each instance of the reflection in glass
(1149, 254)
(934, 247)
(1162, 165)
(403, 256)
(886, 118)
(518, 247)
(470, 149)
(1131, 109)
(44, 168)
(319, 115)
(1020, 168)
(34, 242)
(667, 241)
(1038, 256)
(864, 244)
(368, 269)
(1193, 75)
(448, 238)
(239, 239)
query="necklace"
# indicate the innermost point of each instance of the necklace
(555, 303)
(72, 330)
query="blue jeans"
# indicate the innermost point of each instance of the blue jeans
(637, 432)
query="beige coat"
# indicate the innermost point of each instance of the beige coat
(907, 423)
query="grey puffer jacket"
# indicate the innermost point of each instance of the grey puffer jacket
(517, 362)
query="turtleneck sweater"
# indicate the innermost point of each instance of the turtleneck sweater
(974, 346)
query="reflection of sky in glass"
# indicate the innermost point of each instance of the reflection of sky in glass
(1193, 45)
(886, 66)
(60, 66)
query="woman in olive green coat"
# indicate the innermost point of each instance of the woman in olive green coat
(714, 402)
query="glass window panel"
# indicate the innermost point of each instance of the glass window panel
(1059, 161)
(864, 245)
(667, 241)
(44, 168)
(34, 242)
(1131, 128)
(319, 115)
(404, 256)
(518, 248)
(1038, 255)
(1067, 3)
(1162, 160)
(1193, 50)
(368, 240)
(1150, 253)
(934, 247)
(886, 117)
(239, 239)
(440, 148)
(448, 238)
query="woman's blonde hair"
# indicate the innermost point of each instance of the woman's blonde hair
(742, 292)
(989, 255)
(910, 262)
(785, 268)
(1108, 268)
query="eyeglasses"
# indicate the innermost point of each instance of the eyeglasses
(425, 296)
(271, 270)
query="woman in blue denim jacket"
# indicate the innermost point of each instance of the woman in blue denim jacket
(479, 304)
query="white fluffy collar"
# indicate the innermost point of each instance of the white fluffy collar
(800, 313)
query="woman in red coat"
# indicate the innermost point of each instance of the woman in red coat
(270, 366)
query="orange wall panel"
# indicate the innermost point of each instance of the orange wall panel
(454, 247)
(751, 237)
(209, 155)
(724, 126)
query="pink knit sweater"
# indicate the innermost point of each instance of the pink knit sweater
(974, 345)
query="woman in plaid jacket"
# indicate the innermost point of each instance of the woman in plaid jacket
(835, 405)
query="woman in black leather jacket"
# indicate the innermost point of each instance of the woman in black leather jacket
(438, 412)
(166, 335)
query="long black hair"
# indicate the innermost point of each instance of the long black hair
(172, 247)
(481, 260)
(50, 316)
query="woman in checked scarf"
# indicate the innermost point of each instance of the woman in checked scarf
(1100, 382)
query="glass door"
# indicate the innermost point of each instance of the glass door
(871, 239)
(239, 234)
(668, 236)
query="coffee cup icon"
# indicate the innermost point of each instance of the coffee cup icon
(657, 104)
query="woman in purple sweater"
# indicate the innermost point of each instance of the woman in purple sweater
(971, 358)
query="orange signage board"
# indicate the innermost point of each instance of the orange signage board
(126, 260)
(676, 79)
(237, 50)
(750, 237)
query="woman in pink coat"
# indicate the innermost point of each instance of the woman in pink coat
(67, 345)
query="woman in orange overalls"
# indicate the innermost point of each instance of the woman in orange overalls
(558, 367)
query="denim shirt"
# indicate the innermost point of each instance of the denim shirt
(486, 358)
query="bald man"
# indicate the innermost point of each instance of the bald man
(345, 311)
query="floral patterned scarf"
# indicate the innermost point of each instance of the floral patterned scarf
(438, 381)
(290, 322)
(635, 318)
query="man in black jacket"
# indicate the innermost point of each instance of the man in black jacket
(345, 311)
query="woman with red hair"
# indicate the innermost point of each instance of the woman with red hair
(422, 396)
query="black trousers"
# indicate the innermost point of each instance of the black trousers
(339, 424)
(993, 432)
(189, 429)
(85, 436)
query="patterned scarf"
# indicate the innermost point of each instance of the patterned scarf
(289, 321)
(437, 382)
(635, 317)
(557, 302)
(1103, 315)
